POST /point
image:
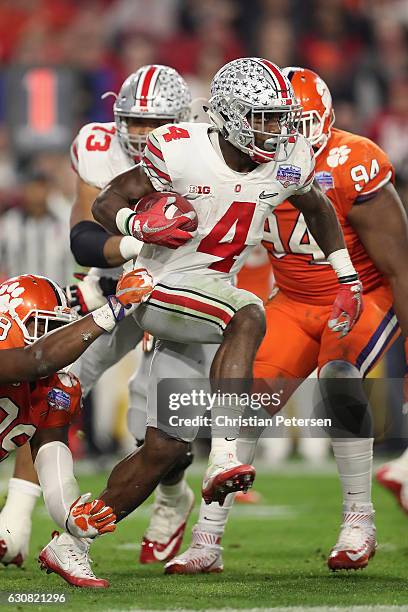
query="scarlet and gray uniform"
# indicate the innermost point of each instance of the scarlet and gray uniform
(97, 157)
(194, 298)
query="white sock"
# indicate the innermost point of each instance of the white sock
(225, 430)
(15, 517)
(21, 498)
(171, 492)
(55, 469)
(213, 517)
(354, 458)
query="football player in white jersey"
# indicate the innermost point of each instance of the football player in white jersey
(239, 170)
(148, 98)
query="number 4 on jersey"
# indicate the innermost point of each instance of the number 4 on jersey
(175, 133)
(227, 238)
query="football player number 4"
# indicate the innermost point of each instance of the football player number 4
(227, 238)
(17, 435)
(175, 133)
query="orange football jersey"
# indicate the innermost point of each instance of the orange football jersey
(349, 169)
(26, 407)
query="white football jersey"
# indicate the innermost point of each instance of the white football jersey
(231, 206)
(97, 156)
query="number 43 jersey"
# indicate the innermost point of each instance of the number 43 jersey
(97, 156)
(231, 206)
(350, 170)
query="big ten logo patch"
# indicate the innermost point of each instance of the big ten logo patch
(199, 189)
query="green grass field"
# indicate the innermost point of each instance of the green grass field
(274, 555)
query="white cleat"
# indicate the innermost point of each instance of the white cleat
(226, 476)
(14, 544)
(394, 477)
(204, 556)
(69, 558)
(356, 544)
(162, 539)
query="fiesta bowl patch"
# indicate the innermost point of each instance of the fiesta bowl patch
(289, 175)
(325, 180)
(58, 399)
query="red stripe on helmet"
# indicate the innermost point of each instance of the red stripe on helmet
(279, 77)
(146, 84)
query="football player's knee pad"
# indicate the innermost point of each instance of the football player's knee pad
(343, 401)
(182, 463)
(339, 368)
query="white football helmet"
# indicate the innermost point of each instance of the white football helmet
(247, 92)
(154, 92)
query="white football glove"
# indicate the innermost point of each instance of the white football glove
(90, 292)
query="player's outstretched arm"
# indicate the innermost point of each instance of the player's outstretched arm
(322, 222)
(49, 354)
(124, 190)
(382, 226)
(63, 346)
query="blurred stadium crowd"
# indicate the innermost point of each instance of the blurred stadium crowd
(75, 51)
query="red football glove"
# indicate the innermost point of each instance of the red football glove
(153, 227)
(87, 519)
(347, 308)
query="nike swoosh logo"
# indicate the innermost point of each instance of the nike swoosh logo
(152, 230)
(65, 565)
(355, 556)
(357, 493)
(265, 196)
(162, 554)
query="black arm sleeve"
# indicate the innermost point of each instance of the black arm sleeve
(87, 242)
